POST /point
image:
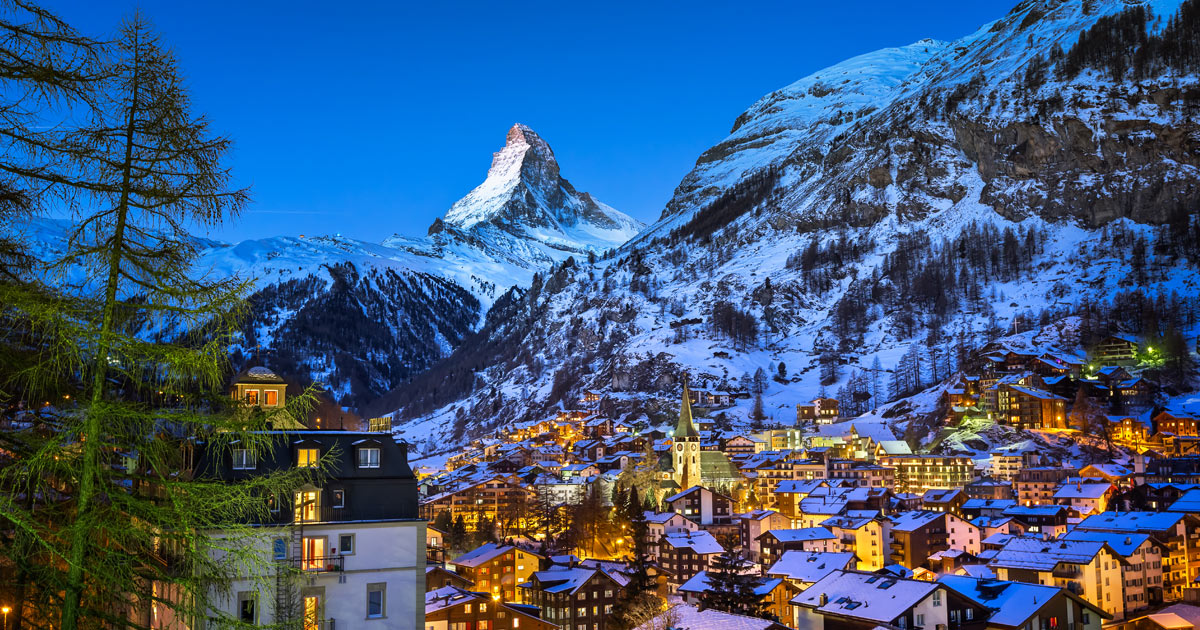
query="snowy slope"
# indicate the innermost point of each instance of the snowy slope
(948, 156)
(360, 316)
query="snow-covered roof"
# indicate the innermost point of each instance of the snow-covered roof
(895, 447)
(800, 486)
(662, 517)
(1045, 555)
(800, 535)
(911, 521)
(867, 596)
(1012, 603)
(447, 597)
(810, 566)
(700, 542)
(699, 583)
(1132, 521)
(1124, 543)
(988, 504)
(686, 617)
(481, 554)
(1187, 502)
(1082, 490)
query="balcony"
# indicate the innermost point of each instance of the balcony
(320, 564)
(1066, 573)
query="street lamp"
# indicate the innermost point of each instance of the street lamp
(5, 610)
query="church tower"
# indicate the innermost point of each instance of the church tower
(685, 452)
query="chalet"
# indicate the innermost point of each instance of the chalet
(435, 545)
(856, 600)
(918, 535)
(802, 569)
(574, 597)
(702, 505)
(948, 501)
(1047, 520)
(1177, 534)
(659, 524)
(1030, 408)
(1176, 423)
(1037, 485)
(863, 474)
(1156, 495)
(773, 593)
(819, 411)
(1085, 497)
(438, 576)
(497, 569)
(972, 508)
(1087, 568)
(1118, 348)
(744, 445)
(1141, 570)
(451, 607)
(774, 543)
(753, 524)
(1133, 430)
(1133, 394)
(1020, 606)
(865, 537)
(991, 489)
(685, 554)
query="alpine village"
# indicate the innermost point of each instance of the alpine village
(915, 347)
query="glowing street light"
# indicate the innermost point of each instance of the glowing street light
(5, 610)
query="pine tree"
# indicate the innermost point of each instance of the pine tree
(730, 589)
(140, 172)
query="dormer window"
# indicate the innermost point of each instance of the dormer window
(244, 459)
(368, 457)
(307, 457)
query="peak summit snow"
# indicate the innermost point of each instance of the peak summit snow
(525, 196)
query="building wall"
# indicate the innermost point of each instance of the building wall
(390, 553)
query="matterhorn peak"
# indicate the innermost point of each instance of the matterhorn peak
(525, 196)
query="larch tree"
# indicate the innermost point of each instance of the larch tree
(131, 349)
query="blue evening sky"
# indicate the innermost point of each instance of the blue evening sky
(369, 118)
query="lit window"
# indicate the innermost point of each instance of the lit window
(368, 458)
(307, 457)
(251, 397)
(243, 459)
(271, 397)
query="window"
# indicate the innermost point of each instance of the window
(247, 607)
(937, 598)
(376, 600)
(273, 504)
(308, 506)
(243, 459)
(920, 620)
(251, 396)
(368, 458)
(271, 397)
(346, 544)
(307, 457)
(339, 498)
(313, 554)
(379, 425)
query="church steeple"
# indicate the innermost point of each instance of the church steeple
(685, 427)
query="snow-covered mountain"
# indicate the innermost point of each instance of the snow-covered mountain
(361, 317)
(918, 200)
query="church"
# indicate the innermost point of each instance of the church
(689, 465)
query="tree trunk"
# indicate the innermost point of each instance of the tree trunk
(91, 433)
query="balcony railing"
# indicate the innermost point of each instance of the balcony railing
(320, 564)
(1066, 572)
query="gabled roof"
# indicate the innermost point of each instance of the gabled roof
(687, 617)
(481, 554)
(699, 583)
(1083, 490)
(1149, 522)
(912, 521)
(1187, 502)
(799, 535)
(1012, 603)
(1125, 544)
(1045, 555)
(988, 504)
(701, 542)
(560, 579)
(810, 566)
(867, 596)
